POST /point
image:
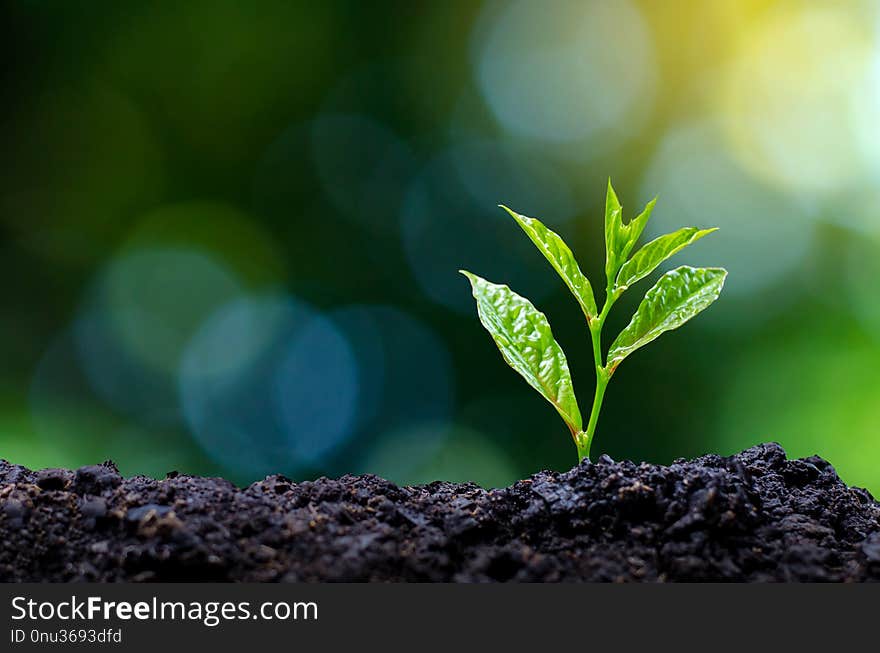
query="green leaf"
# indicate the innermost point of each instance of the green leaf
(560, 257)
(620, 238)
(615, 237)
(654, 253)
(637, 226)
(676, 297)
(523, 336)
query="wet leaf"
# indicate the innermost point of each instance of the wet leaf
(560, 257)
(620, 238)
(676, 297)
(654, 253)
(636, 226)
(614, 236)
(523, 336)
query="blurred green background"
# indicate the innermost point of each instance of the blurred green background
(229, 231)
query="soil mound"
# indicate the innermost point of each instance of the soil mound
(755, 516)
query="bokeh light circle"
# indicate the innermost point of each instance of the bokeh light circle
(790, 102)
(117, 375)
(316, 389)
(281, 396)
(405, 371)
(238, 240)
(572, 71)
(764, 234)
(155, 299)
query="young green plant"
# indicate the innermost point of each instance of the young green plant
(523, 334)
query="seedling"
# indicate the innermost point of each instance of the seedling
(523, 334)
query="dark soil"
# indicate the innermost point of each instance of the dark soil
(755, 516)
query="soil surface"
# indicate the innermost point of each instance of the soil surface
(754, 516)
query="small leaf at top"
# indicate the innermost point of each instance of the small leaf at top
(637, 226)
(523, 336)
(676, 297)
(620, 238)
(560, 257)
(615, 236)
(654, 253)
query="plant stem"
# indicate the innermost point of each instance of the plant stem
(601, 383)
(585, 438)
